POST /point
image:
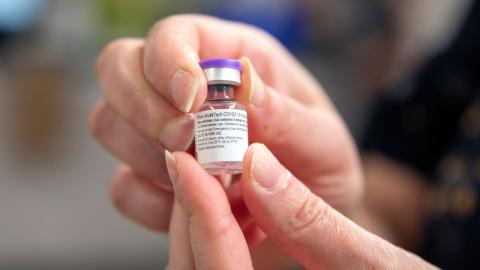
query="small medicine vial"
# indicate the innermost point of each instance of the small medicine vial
(221, 131)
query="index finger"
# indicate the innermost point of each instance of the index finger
(175, 45)
(216, 238)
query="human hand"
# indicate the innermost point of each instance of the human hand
(152, 85)
(144, 111)
(204, 233)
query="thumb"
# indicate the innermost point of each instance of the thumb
(306, 227)
(290, 128)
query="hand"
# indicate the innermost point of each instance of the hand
(206, 235)
(152, 85)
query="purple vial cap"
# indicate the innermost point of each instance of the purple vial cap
(221, 63)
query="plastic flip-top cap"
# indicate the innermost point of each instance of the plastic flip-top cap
(221, 63)
(222, 71)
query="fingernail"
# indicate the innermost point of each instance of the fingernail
(171, 167)
(266, 171)
(184, 89)
(178, 134)
(255, 84)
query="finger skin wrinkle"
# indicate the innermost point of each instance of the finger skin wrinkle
(274, 125)
(312, 215)
(137, 103)
(290, 120)
(383, 256)
(139, 112)
(126, 88)
(217, 226)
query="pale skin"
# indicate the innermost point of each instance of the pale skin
(301, 196)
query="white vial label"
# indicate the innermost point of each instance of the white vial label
(221, 135)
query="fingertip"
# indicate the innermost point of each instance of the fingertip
(188, 88)
(264, 171)
(197, 191)
(171, 164)
(192, 177)
(171, 64)
(185, 160)
(201, 91)
(247, 161)
(252, 89)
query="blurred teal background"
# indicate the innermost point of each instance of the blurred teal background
(54, 208)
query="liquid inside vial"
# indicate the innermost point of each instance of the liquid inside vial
(221, 131)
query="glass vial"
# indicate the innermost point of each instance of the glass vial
(221, 131)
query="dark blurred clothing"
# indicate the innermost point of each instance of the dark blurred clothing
(3, 38)
(432, 123)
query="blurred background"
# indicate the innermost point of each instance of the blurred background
(54, 208)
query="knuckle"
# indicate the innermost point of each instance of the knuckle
(139, 112)
(111, 51)
(217, 226)
(118, 186)
(291, 121)
(171, 21)
(121, 77)
(386, 255)
(311, 213)
(125, 90)
(107, 52)
(153, 214)
(99, 120)
(170, 32)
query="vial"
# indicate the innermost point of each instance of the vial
(221, 130)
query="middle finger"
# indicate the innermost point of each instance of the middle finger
(119, 138)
